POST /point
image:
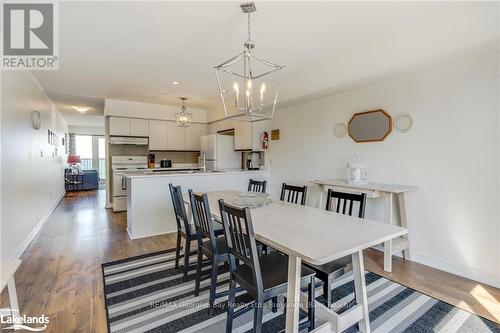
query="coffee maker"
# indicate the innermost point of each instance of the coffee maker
(151, 161)
(253, 161)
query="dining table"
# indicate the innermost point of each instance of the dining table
(318, 237)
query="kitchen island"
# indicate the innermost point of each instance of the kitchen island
(149, 205)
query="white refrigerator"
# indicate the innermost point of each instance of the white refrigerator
(217, 152)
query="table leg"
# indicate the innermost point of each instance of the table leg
(388, 256)
(321, 197)
(358, 270)
(404, 224)
(14, 305)
(293, 295)
(388, 245)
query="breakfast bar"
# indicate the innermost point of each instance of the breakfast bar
(149, 205)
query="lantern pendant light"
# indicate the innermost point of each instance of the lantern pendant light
(248, 85)
(183, 118)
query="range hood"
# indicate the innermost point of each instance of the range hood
(128, 140)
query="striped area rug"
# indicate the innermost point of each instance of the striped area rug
(146, 294)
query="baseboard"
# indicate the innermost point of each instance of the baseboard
(24, 245)
(466, 272)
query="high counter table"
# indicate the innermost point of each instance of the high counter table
(377, 190)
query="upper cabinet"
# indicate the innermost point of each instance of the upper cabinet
(166, 135)
(119, 126)
(163, 134)
(158, 138)
(128, 126)
(258, 128)
(175, 135)
(192, 135)
(139, 127)
(242, 135)
(247, 135)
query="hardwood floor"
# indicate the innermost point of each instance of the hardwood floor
(60, 275)
(61, 271)
(469, 295)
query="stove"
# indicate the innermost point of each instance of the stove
(122, 165)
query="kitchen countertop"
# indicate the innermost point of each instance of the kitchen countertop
(187, 173)
(174, 168)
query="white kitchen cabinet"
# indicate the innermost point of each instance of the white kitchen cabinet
(259, 127)
(128, 126)
(242, 135)
(119, 126)
(163, 134)
(175, 135)
(192, 135)
(158, 135)
(139, 127)
(247, 135)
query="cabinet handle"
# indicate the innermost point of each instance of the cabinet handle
(124, 183)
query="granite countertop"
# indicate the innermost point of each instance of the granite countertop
(195, 173)
(175, 168)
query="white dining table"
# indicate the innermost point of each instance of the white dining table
(318, 237)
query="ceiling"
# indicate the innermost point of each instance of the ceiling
(134, 50)
(93, 117)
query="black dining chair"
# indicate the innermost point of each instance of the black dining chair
(264, 278)
(329, 272)
(257, 186)
(291, 193)
(214, 248)
(345, 199)
(184, 228)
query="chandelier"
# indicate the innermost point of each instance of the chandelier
(183, 118)
(248, 85)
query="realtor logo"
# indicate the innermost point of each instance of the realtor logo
(29, 35)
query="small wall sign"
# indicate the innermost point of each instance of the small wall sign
(275, 134)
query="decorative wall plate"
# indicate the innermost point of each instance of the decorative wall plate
(36, 120)
(340, 130)
(403, 122)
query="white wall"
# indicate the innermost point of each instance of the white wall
(215, 111)
(87, 130)
(121, 108)
(31, 184)
(451, 154)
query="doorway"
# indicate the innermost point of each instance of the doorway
(92, 151)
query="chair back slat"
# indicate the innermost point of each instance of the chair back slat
(202, 216)
(257, 186)
(292, 193)
(240, 237)
(179, 208)
(345, 199)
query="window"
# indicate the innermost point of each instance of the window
(102, 157)
(84, 149)
(92, 151)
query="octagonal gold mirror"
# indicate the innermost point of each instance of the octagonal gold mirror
(370, 126)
